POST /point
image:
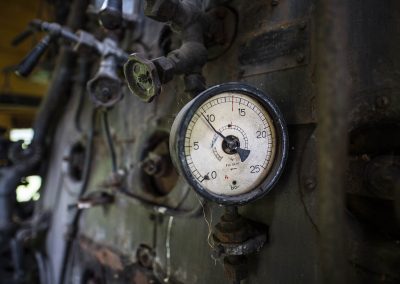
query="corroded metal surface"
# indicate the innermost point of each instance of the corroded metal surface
(157, 229)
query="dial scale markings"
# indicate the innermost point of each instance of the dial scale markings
(222, 183)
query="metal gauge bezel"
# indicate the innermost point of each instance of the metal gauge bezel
(281, 143)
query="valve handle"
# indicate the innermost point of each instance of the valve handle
(30, 61)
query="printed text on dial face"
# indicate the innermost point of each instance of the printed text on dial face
(234, 115)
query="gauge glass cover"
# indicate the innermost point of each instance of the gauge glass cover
(230, 144)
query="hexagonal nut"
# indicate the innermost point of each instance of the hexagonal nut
(165, 68)
(231, 237)
(232, 232)
(142, 77)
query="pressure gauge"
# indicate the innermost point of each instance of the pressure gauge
(230, 143)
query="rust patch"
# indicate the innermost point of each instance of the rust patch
(105, 255)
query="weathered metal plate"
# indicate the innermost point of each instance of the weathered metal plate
(279, 48)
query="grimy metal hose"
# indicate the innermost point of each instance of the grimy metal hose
(332, 92)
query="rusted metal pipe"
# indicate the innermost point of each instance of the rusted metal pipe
(333, 92)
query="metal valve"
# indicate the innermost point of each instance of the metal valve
(31, 60)
(105, 87)
(82, 40)
(142, 77)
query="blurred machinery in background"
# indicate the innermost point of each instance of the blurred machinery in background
(201, 141)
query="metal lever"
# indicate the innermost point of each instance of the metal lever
(31, 60)
(22, 36)
(111, 14)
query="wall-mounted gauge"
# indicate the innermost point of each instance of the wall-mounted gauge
(230, 143)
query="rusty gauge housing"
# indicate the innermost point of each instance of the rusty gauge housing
(230, 143)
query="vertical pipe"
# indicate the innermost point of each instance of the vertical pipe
(59, 90)
(397, 198)
(333, 91)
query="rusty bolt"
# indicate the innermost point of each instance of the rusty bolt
(145, 256)
(165, 69)
(310, 183)
(232, 231)
(153, 165)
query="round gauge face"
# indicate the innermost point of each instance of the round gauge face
(230, 144)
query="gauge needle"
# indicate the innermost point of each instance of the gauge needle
(215, 130)
(243, 153)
